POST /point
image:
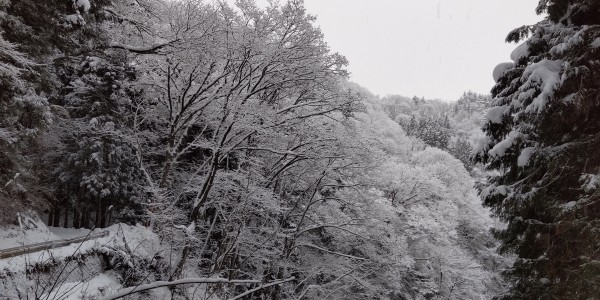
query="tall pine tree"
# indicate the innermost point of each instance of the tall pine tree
(543, 135)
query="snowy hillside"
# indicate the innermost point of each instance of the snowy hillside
(198, 149)
(410, 225)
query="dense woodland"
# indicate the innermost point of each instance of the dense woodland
(231, 134)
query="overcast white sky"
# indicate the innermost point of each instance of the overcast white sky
(430, 48)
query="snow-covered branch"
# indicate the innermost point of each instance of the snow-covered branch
(274, 151)
(158, 284)
(329, 251)
(337, 226)
(152, 49)
(246, 293)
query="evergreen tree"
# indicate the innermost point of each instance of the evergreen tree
(32, 33)
(434, 131)
(471, 103)
(100, 169)
(543, 136)
(461, 149)
(412, 126)
(42, 46)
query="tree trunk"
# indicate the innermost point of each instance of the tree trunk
(98, 213)
(85, 218)
(168, 162)
(180, 265)
(76, 219)
(276, 295)
(66, 219)
(88, 215)
(205, 189)
(56, 221)
(103, 216)
(50, 217)
(165, 174)
(109, 218)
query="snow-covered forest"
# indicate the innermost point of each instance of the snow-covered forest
(195, 149)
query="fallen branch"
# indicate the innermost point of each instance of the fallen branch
(158, 284)
(246, 293)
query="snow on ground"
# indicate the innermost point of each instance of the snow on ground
(34, 231)
(19, 263)
(68, 233)
(101, 285)
(86, 278)
(138, 237)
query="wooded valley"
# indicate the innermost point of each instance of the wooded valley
(223, 153)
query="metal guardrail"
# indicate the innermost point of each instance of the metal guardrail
(27, 249)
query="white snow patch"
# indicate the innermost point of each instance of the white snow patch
(569, 98)
(590, 182)
(500, 149)
(502, 190)
(526, 153)
(94, 62)
(569, 205)
(138, 237)
(74, 19)
(482, 144)
(189, 230)
(93, 122)
(84, 4)
(544, 75)
(19, 263)
(544, 281)
(595, 43)
(496, 114)
(101, 285)
(520, 52)
(32, 231)
(500, 69)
